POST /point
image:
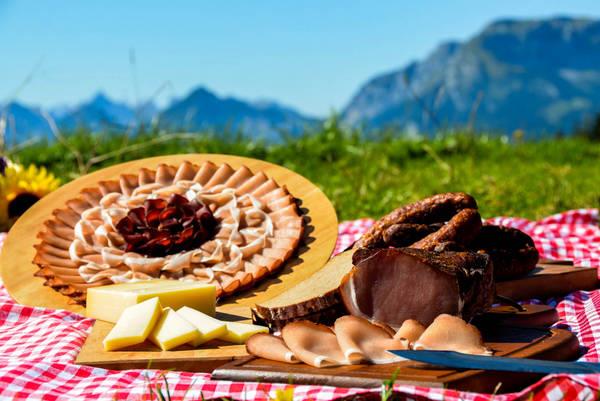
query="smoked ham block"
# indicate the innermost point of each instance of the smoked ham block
(392, 285)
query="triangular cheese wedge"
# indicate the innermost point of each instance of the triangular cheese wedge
(172, 331)
(134, 325)
(208, 327)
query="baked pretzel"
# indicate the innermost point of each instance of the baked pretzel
(435, 209)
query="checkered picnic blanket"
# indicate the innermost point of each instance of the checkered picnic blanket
(38, 346)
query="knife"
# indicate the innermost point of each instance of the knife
(465, 361)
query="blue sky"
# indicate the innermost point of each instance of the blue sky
(311, 55)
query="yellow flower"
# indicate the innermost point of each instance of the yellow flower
(284, 395)
(20, 188)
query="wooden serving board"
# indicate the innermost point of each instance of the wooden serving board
(316, 248)
(204, 359)
(216, 353)
(555, 344)
(548, 280)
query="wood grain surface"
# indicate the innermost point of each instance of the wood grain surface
(549, 280)
(555, 344)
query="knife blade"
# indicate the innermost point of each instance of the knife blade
(465, 361)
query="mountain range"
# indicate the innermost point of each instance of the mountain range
(541, 76)
(199, 110)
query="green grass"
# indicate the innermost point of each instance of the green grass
(370, 177)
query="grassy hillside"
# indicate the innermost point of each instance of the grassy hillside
(368, 178)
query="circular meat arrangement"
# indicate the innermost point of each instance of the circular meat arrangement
(205, 223)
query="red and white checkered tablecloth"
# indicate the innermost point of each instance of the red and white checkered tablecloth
(38, 346)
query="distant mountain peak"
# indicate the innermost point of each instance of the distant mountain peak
(542, 76)
(202, 109)
(100, 98)
(202, 93)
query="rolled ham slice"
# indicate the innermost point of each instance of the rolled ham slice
(314, 344)
(409, 332)
(450, 333)
(361, 341)
(270, 347)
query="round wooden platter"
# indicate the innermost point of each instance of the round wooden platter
(319, 240)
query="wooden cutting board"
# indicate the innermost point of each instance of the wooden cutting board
(216, 353)
(549, 279)
(555, 344)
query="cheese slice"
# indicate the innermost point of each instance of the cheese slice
(134, 326)
(172, 331)
(238, 333)
(208, 327)
(108, 302)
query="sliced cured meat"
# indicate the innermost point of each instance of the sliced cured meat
(165, 174)
(314, 344)
(361, 341)
(395, 284)
(512, 251)
(450, 333)
(409, 332)
(270, 347)
(83, 237)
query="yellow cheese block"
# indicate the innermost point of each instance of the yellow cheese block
(108, 302)
(172, 331)
(134, 326)
(208, 327)
(238, 333)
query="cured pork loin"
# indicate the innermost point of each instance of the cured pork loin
(392, 285)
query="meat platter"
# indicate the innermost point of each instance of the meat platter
(256, 239)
